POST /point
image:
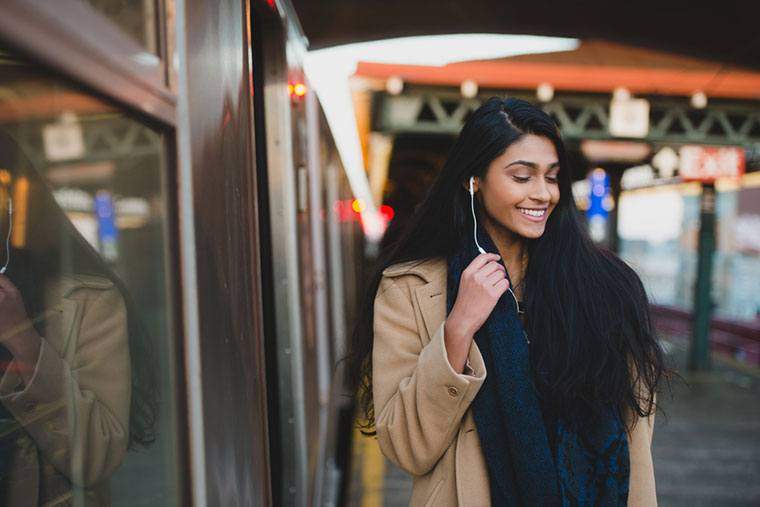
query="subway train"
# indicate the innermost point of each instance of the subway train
(188, 164)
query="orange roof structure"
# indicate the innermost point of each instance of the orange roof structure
(596, 66)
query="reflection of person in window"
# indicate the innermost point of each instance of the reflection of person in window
(75, 386)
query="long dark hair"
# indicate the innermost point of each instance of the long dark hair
(68, 253)
(587, 310)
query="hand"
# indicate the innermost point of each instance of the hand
(17, 333)
(13, 317)
(480, 287)
(482, 284)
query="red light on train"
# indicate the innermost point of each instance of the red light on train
(387, 213)
(297, 90)
(344, 211)
(350, 210)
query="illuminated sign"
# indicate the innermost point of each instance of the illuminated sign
(629, 118)
(708, 163)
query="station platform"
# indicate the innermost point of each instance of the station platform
(706, 446)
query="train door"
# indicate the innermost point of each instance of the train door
(308, 257)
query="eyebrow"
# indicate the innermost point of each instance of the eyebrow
(532, 165)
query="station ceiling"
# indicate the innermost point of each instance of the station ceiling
(725, 31)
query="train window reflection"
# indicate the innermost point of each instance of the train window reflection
(87, 415)
(136, 18)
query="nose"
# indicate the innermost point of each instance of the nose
(540, 191)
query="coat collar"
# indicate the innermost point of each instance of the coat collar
(431, 270)
(62, 303)
(431, 295)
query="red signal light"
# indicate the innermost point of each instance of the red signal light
(387, 213)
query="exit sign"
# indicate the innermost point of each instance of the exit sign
(708, 163)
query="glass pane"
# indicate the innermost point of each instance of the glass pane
(87, 405)
(137, 18)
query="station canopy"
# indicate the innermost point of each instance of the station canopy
(724, 31)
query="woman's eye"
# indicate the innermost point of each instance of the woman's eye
(521, 179)
(553, 179)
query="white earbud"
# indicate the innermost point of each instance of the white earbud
(480, 248)
(8, 238)
(474, 220)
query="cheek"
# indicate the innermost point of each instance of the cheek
(508, 194)
(501, 203)
(555, 194)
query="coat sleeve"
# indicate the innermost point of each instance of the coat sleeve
(419, 399)
(641, 491)
(78, 414)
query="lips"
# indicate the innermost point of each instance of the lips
(534, 214)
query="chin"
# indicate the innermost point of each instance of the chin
(532, 234)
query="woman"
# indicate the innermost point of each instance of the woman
(76, 378)
(525, 375)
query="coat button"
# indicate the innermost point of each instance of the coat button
(453, 391)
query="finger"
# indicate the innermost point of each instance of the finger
(491, 267)
(486, 271)
(6, 285)
(481, 260)
(502, 286)
(494, 278)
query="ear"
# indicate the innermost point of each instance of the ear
(475, 184)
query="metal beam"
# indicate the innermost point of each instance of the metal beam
(672, 121)
(106, 137)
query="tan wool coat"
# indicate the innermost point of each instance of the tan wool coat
(422, 406)
(75, 411)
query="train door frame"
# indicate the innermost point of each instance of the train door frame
(278, 194)
(223, 434)
(300, 237)
(100, 61)
(220, 140)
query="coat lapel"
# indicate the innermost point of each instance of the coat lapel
(432, 304)
(61, 313)
(68, 311)
(431, 298)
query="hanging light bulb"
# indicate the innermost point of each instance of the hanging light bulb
(699, 100)
(469, 89)
(394, 85)
(545, 92)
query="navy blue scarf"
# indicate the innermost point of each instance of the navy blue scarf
(533, 457)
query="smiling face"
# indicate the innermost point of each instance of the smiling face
(520, 189)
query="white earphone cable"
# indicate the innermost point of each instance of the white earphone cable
(474, 219)
(480, 249)
(8, 237)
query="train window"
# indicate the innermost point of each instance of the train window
(137, 18)
(87, 398)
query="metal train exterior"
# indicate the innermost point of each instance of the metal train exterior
(261, 266)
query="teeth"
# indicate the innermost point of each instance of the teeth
(531, 212)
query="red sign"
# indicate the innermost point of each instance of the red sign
(707, 163)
